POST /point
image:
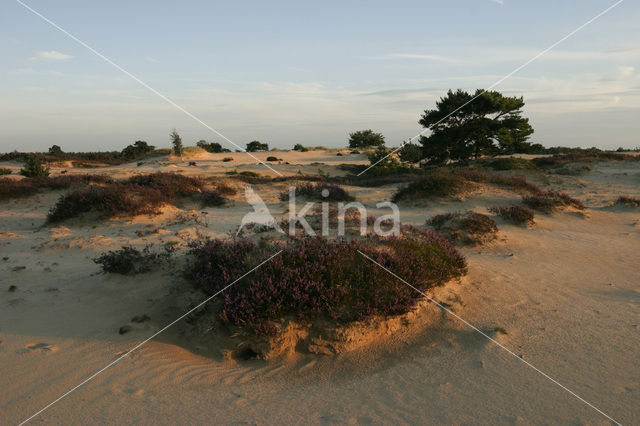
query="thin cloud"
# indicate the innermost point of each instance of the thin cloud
(50, 55)
(418, 56)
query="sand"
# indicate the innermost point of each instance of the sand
(566, 290)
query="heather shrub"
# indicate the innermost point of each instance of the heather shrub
(108, 201)
(319, 279)
(225, 189)
(130, 261)
(514, 182)
(317, 191)
(549, 201)
(227, 159)
(212, 198)
(438, 183)
(15, 188)
(515, 214)
(5, 171)
(272, 158)
(469, 228)
(170, 184)
(510, 163)
(628, 201)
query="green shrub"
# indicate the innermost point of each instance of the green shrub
(272, 158)
(33, 167)
(317, 191)
(300, 148)
(410, 153)
(5, 171)
(515, 214)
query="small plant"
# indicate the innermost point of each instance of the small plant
(131, 261)
(176, 141)
(469, 228)
(298, 147)
(212, 198)
(33, 167)
(5, 171)
(500, 330)
(320, 191)
(628, 201)
(436, 184)
(225, 189)
(272, 158)
(549, 201)
(227, 159)
(515, 214)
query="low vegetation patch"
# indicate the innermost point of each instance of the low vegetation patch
(438, 183)
(469, 228)
(141, 194)
(5, 171)
(131, 261)
(320, 191)
(628, 201)
(549, 201)
(515, 214)
(17, 188)
(510, 163)
(212, 198)
(320, 279)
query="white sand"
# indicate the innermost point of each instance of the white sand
(566, 290)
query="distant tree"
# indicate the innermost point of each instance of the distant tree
(33, 167)
(138, 149)
(410, 153)
(176, 140)
(300, 148)
(365, 138)
(55, 150)
(255, 146)
(381, 158)
(209, 147)
(491, 124)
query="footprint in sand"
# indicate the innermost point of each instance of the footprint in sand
(40, 347)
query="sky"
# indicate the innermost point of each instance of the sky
(309, 72)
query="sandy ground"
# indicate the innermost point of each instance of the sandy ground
(566, 290)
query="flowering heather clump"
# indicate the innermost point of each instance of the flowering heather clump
(314, 191)
(225, 189)
(469, 228)
(517, 215)
(14, 188)
(514, 182)
(628, 201)
(471, 174)
(549, 201)
(170, 184)
(108, 201)
(142, 194)
(437, 184)
(131, 261)
(316, 278)
(212, 198)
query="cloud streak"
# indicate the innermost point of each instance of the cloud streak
(50, 55)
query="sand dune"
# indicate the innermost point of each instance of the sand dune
(566, 291)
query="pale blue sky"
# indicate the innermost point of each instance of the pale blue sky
(309, 72)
